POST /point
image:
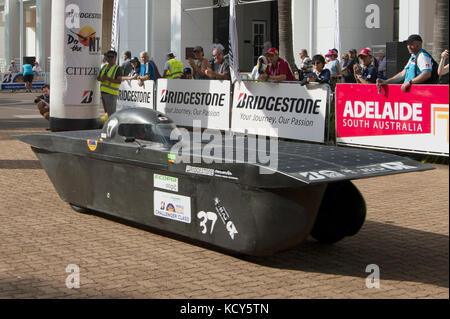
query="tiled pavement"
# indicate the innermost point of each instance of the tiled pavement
(405, 234)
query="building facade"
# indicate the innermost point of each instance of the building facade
(160, 26)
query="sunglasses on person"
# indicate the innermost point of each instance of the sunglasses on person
(110, 56)
(317, 63)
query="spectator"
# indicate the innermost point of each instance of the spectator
(43, 102)
(220, 70)
(173, 68)
(266, 45)
(259, 68)
(110, 77)
(201, 66)
(320, 74)
(126, 65)
(345, 62)
(187, 74)
(305, 65)
(147, 71)
(28, 76)
(13, 67)
(333, 65)
(36, 68)
(11, 70)
(369, 72)
(278, 69)
(409, 74)
(135, 70)
(443, 69)
(217, 45)
(381, 64)
(347, 71)
(155, 68)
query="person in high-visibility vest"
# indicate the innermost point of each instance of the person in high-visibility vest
(173, 68)
(110, 77)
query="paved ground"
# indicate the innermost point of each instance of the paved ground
(406, 235)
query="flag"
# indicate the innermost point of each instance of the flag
(233, 45)
(115, 27)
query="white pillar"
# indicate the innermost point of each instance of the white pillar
(409, 18)
(74, 91)
(12, 29)
(43, 29)
(175, 27)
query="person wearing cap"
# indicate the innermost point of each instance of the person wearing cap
(135, 70)
(333, 63)
(368, 73)
(278, 69)
(13, 67)
(187, 74)
(173, 68)
(410, 74)
(221, 67)
(201, 66)
(110, 77)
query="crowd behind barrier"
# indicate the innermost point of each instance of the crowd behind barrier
(396, 120)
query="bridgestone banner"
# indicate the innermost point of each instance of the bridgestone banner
(413, 121)
(132, 95)
(82, 51)
(187, 100)
(281, 109)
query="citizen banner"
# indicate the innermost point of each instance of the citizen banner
(413, 121)
(82, 51)
(285, 110)
(185, 101)
(132, 95)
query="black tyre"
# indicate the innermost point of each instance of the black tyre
(342, 213)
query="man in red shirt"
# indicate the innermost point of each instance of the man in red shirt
(278, 69)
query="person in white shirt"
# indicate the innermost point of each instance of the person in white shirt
(36, 68)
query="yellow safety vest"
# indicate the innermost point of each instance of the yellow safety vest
(177, 69)
(107, 86)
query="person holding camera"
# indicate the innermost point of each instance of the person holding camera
(43, 102)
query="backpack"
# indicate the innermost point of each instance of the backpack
(434, 79)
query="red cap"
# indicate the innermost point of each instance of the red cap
(272, 51)
(330, 53)
(365, 52)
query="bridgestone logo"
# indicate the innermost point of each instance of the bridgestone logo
(193, 98)
(135, 96)
(279, 104)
